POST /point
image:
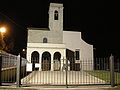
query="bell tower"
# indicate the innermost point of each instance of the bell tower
(56, 17)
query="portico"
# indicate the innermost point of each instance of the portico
(47, 55)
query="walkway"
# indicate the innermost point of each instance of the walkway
(59, 78)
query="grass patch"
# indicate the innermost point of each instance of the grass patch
(113, 88)
(105, 75)
(117, 78)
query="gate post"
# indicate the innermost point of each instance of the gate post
(18, 71)
(0, 69)
(112, 79)
(66, 69)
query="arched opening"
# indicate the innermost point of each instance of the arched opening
(34, 59)
(57, 57)
(56, 15)
(46, 61)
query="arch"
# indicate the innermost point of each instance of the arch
(46, 61)
(57, 57)
(34, 59)
(45, 40)
(56, 15)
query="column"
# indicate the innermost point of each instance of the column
(40, 62)
(62, 62)
(63, 58)
(52, 63)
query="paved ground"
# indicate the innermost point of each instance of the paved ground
(58, 88)
(59, 78)
(72, 88)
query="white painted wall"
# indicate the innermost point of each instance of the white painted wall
(73, 41)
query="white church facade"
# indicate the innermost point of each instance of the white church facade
(48, 48)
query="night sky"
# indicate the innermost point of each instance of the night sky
(91, 17)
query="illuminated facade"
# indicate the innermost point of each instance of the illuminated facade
(53, 45)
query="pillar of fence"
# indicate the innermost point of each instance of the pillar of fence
(112, 77)
(0, 69)
(18, 82)
(66, 69)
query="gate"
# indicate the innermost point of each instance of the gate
(88, 72)
(103, 72)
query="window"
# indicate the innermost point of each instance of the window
(45, 40)
(77, 55)
(56, 15)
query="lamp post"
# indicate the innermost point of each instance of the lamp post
(2, 32)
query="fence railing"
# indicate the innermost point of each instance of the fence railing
(13, 69)
(8, 68)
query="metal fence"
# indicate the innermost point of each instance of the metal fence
(8, 68)
(100, 71)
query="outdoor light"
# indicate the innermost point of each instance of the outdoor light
(2, 34)
(3, 29)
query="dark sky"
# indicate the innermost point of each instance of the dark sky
(91, 17)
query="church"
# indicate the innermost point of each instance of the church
(49, 48)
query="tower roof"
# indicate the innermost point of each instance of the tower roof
(56, 4)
